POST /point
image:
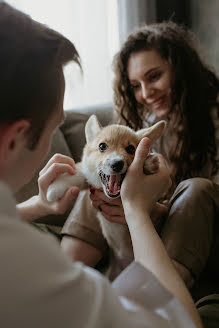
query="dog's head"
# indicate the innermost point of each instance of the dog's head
(109, 152)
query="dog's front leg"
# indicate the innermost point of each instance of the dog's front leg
(57, 189)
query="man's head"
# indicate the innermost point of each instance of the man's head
(32, 57)
(31, 60)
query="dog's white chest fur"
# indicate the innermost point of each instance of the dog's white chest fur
(119, 241)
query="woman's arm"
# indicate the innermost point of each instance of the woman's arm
(38, 206)
(139, 193)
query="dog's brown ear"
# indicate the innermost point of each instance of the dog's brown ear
(154, 132)
(92, 127)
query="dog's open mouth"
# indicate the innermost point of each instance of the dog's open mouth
(112, 183)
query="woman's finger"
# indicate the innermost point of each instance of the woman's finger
(112, 210)
(97, 204)
(97, 194)
(115, 219)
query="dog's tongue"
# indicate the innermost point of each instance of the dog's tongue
(113, 184)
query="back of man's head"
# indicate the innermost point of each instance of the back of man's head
(32, 57)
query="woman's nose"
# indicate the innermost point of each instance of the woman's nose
(146, 92)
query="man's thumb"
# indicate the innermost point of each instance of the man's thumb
(142, 152)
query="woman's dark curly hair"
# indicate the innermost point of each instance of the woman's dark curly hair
(194, 93)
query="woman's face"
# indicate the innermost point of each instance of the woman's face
(150, 78)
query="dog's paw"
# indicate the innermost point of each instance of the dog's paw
(151, 164)
(57, 189)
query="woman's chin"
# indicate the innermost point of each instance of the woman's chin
(161, 113)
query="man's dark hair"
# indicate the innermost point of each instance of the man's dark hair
(32, 57)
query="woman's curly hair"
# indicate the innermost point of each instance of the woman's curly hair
(194, 92)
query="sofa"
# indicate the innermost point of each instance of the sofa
(68, 140)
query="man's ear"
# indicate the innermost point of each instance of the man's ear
(12, 139)
(92, 127)
(154, 132)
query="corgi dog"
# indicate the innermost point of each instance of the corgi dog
(108, 153)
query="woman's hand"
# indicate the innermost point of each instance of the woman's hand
(111, 209)
(141, 190)
(38, 206)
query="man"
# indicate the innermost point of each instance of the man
(39, 285)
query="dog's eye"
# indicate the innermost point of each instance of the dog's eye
(130, 149)
(103, 146)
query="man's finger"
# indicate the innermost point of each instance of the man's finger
(141, 152)
(68, 198)
(58, 158)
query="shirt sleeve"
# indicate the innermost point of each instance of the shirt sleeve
(42, 288)
(139, 285)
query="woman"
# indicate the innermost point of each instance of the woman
(159, 75)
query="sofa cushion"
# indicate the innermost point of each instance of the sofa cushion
(73, 132)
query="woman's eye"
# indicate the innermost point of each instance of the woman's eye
(154, 76)
(130, 149)
(103, 146)
(134, 86)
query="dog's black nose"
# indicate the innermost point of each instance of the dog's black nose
(117, 166)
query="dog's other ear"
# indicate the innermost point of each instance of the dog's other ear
(154, 132)
(92, 127)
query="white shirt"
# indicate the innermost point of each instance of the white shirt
(41, 288)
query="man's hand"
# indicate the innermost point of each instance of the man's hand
(141, 190)
(38, 206)
(57, 165)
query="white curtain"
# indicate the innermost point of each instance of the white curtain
(93, 27)
(134, 13)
